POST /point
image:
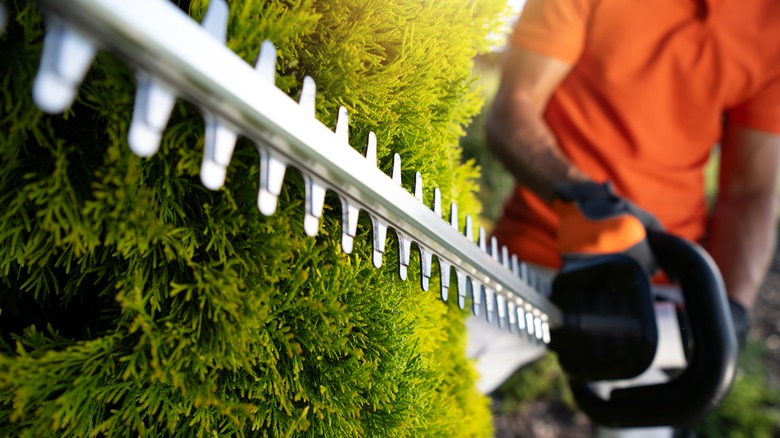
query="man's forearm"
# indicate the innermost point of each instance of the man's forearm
(743, 229)
(516, 132)
(742, 239)
(519, 137)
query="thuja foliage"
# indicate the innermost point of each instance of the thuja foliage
(134, 301)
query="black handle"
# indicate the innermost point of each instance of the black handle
(711, 367)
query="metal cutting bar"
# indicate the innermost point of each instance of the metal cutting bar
(157, 38)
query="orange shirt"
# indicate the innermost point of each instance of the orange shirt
(644, 104)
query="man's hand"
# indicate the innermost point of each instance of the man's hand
(741, 319)
(610, 330)
(595, 221)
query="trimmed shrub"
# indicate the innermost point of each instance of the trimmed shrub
(136, 302)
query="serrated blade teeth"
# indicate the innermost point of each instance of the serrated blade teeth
(538, 328)
(529, 322)
(545, 332)
(490, 303)
(271, 178)
(215, 20)
(308, 98)
(220, 141)
(315, 200)
(153, 106)
(468, 229)
(370, 151)
(404, 254)
(454, 215)
(531, 278)
(476, 296)
(444, 273)
(349, 222)
(342, 126)
(520, 317)
(511, 312)
(154, 103)
(396, 169)
(65, 60)
(426, 259)
(266, 62)
(462, 288)
(524, 272)
(501, 307)
(380, 237)
(437, 201)
(418, 186)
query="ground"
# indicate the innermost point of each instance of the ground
(549, 418)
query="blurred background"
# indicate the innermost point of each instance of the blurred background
(535, 401)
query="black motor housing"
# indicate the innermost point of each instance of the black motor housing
(609, 330)
(691, 394)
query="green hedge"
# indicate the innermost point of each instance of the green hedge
(136, 302)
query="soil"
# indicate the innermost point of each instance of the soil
(542, 419)
(551, 419)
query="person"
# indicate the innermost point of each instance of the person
(607, 113)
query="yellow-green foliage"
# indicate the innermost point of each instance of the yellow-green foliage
(750, 410)
(136, 302)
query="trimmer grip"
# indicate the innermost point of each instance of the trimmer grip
(711, 367)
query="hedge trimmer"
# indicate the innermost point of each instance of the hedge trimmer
(174, 57)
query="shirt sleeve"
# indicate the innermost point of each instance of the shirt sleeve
(554, 28)
(762, 110)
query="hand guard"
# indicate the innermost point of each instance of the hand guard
(595, 221)
(741, 318)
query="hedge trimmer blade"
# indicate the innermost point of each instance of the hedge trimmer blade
(174, 57)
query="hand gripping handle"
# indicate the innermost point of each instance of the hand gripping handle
(710, 372)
